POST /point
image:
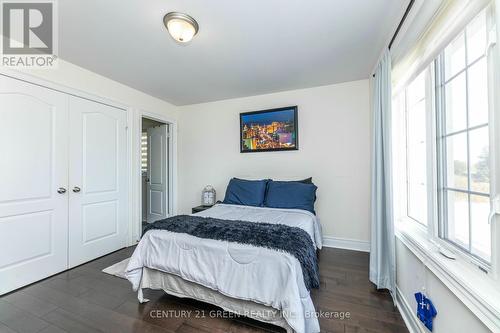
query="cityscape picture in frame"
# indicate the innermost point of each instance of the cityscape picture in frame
(269, 130)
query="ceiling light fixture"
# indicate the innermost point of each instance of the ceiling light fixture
(180, 26)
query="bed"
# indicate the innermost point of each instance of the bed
(257, 282)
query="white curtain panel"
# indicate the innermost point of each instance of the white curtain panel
(382, 252)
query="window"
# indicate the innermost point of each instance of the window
(463, 141)
(416, 155)
(446, 153)
(144, 152)
(442, 146)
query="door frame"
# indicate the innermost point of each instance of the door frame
(171, 153)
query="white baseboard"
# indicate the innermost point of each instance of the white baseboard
(409, 317)
(346, 243)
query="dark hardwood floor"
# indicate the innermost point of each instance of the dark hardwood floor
(86, 300)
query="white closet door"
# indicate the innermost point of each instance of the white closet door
(97, 180)
(157, 173)
(33, 168)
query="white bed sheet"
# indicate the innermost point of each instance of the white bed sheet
(292, 217)
(257, 274)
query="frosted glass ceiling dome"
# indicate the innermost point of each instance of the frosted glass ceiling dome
(180, 26)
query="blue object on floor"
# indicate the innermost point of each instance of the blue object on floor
(425, 310)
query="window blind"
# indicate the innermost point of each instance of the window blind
(451, 18)
(144, 152)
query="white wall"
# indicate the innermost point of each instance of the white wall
(75, 77)
(453, 315)
(334, 148)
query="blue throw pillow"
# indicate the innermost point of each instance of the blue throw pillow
(291, 195)
(305, 181)
(246, 192)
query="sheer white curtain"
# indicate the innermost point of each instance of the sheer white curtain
(382, 252)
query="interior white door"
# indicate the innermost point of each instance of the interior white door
(157, 182)
(33, 183)
(97, 180)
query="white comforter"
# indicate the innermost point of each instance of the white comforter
(261, 275)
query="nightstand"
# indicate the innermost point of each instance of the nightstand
(198, 209)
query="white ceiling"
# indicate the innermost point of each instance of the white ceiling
(243, 48)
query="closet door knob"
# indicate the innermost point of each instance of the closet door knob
(76, 189)
(61, 190)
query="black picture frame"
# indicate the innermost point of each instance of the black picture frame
(294, 133)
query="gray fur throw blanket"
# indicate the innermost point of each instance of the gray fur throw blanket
(279, 237)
